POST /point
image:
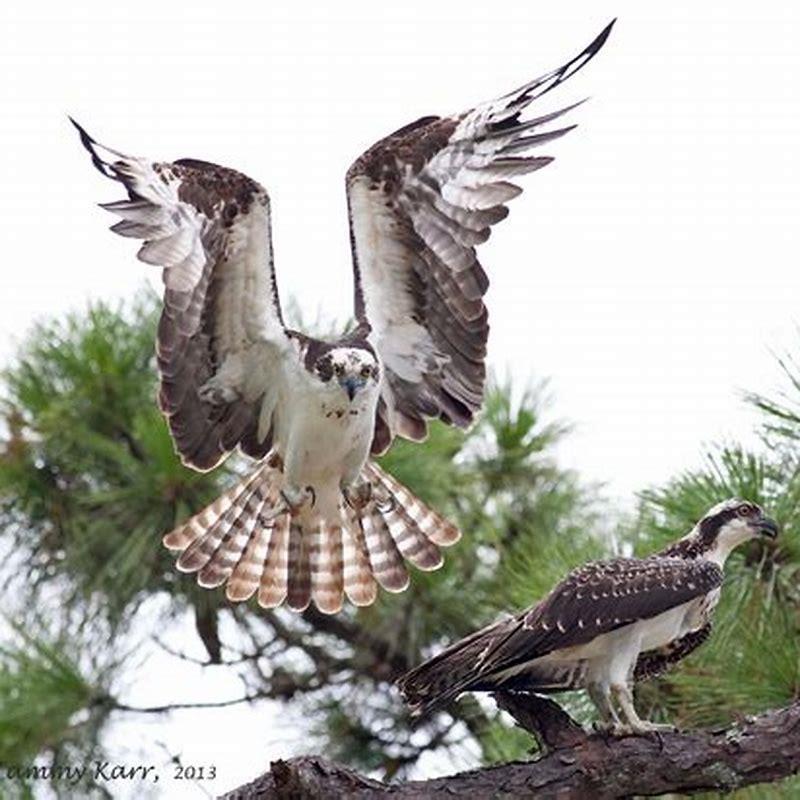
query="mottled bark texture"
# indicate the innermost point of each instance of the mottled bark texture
(754, 750)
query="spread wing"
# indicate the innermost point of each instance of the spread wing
(595, 599)
(420, 201)
(221, 338)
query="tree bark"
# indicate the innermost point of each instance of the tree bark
(758, 749)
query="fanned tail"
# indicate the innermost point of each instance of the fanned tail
(393, 527)
(249, 540)
(241, 539)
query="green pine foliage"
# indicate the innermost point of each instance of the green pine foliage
(88, 475)
(49, 712)
(89, 481)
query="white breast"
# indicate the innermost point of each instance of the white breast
(322, 437)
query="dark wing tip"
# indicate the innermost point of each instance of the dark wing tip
(86, 140)
(601, 37)
(89, 143)
(549, 81)
(81, 130)
(588, 53)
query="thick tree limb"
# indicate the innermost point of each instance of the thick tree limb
(759, 749)
(552, 727)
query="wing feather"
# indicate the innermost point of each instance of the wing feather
(221, 338)
(599, 598)
(420, 201)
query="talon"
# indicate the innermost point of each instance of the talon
(295, 499)
(658, 728)
(357, 496)
(291, 507)
(621, 729)
(271, 516)
(386, 506)
(601, 727)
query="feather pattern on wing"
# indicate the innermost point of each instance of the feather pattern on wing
(420, 201)
(598, 598)
(221, 334)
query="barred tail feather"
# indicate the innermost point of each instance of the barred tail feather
(206, 534)
(398, 527)
(249, 541)
(242, 516)
(430, 524)
(239, 539)
(384, 555)
(246, 575)
(439, 680)
(298, 569)
(428, 691)
(274, 580)
(200, 524)
(327, 568)
(415, 546)
(359, 582)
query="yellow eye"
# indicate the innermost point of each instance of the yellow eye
(338, 369)
(745, 510)
(365, 372)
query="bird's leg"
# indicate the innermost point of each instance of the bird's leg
(634, 722)
(600, 695)
(357, 495)
(295, 498)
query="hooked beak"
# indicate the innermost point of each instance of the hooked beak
(351, 385)
(767, 526)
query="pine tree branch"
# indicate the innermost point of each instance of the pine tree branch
(544, 718)
(758, 750)
(114, 705)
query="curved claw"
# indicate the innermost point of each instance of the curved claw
(295, 499)
(387, 505)
(357, 496)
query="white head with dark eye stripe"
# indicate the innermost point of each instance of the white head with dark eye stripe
(351, 370)
(729, 524)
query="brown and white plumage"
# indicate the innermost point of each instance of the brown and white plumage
(420, 201)
(605, 626)
(317, 521)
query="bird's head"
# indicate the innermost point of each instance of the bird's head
(729, 524)
(353, 369)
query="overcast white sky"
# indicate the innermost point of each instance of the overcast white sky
(648, 272)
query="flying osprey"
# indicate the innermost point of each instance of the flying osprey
(605, 626)
(318, 519)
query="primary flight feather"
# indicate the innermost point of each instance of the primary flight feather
(318, 520)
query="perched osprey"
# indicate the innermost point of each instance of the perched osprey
(605, 626)
(318, 519)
